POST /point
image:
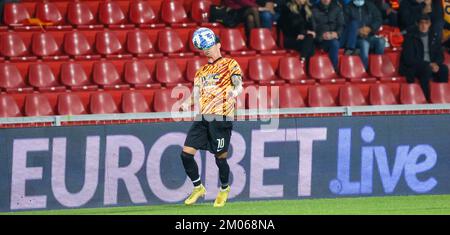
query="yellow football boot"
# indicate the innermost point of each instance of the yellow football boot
(222, 197)
(198, 191)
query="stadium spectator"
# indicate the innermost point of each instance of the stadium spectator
(329, 24)
(245, 11)
(423, 56)
(411, 10)
(268, 12)
(389, 11)
(296, 23)
(362, 21)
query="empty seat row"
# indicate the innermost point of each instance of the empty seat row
(152, 73)
(144, 43)
(165, 100)
(92, 75)
(289, 96)
(290, 69)
(93, 14)
(73, 104)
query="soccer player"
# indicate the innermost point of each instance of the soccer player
(216, 84)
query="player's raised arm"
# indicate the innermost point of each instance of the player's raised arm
(236, 80)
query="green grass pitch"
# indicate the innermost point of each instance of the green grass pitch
(395, 205)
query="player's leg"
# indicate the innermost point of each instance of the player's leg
(196, 139)
(224, 172)
(190, 165)
(224, 169)
(219, 141)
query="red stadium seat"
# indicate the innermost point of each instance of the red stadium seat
(440, 93)
(265, 99)
(110, 13)
(290, 97)
(41, 76)
(320, 96)
(12, 45)
(321, 68)
(138, 43)
(169, 42)
(15, 13)
(9, 107)
(261, 71)
(381, 94)
(105, 74)
(200, 10)
(351, 95)
(44, 45)
(352, 68)
(233, 42)
(261, 40)
(141, 13)
(102, 103)
(79, 14)
(168, 73)
(74, 76)
(134, 102)
(11, 80)
(48, 12)
(70, 104)
(193, 65)
(138, 74)
(411, 94)
(108, 44)
(163, 100)
(37, 105)
(173, 12)
(382, 68)
(77, 45)
(292, 70)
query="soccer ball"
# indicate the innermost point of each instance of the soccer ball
(203, 38)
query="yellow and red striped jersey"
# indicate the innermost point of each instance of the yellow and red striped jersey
(214, 82)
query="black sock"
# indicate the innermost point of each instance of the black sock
(224, 171)
(191, 168)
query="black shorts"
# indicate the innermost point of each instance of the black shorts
(210, 134)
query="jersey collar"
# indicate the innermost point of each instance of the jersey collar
(215, 60)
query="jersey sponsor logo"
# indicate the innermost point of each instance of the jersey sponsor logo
(210, 80)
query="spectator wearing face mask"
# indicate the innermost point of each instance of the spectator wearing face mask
(329, 24)
(423, 56)
(411, 10)
(362, 21)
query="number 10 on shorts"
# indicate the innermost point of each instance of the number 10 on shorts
(220, 144)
